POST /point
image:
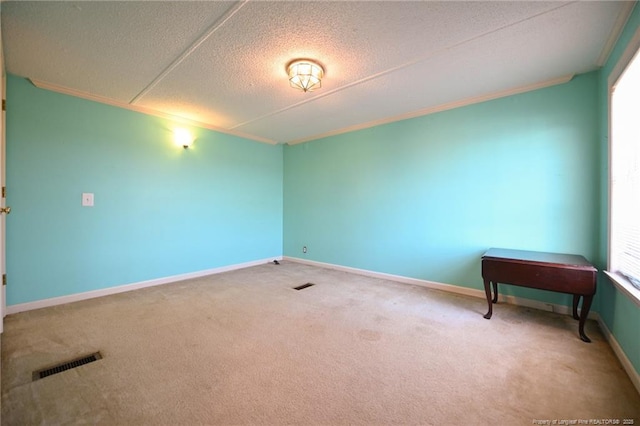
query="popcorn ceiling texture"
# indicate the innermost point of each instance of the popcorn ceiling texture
(223, 63)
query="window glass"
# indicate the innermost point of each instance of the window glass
(625, 174)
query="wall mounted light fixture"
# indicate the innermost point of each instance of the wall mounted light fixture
(183, 137)
(305, 75)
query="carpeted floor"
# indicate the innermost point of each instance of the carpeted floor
(243, 347)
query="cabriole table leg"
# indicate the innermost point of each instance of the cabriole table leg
(576, 300)
(487, 290)
(584, 312)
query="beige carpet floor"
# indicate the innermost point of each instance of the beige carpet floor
(243, 347)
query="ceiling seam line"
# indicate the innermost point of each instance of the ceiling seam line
(396, 68)
(185, 54)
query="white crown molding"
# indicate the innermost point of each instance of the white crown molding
(45, 303)
(618, 26)
(625, 58)
(144, 110)
(440, 108)
(422, 112)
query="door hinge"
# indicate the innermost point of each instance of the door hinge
(4, 104)
(4, 279)
(4, 192)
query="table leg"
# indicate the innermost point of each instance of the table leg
(584, 312)
(495, 292)
(487, 291)
(576, 300)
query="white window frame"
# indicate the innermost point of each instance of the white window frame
(627, 56)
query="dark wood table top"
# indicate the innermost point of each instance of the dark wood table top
(564, 273)
(537, 256)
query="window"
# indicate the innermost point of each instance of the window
(624, 219)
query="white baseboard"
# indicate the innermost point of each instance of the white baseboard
(626, 363)
(45, 303)
(519, 301)
(512, 300)
(398, 278)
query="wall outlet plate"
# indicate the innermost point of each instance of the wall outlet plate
(87, 199)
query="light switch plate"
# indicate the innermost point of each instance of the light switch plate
(87, 199)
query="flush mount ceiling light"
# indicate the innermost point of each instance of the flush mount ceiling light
(305, 75)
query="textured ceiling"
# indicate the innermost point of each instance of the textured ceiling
(222, 64)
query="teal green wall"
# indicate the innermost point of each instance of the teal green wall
(425, 197)
(421, 198)
(617, 311)
(159, 210)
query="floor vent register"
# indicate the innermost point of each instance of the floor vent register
(303, 286)
(68, 365)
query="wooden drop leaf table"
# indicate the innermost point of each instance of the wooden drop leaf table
(563, 273)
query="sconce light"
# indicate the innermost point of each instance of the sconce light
(183, 137)
(305, 75)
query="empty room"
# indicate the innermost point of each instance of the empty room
(320, 212)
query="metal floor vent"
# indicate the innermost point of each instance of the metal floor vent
(303, 286)
(41, 374)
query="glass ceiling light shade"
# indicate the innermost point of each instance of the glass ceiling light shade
(305, 75)
(183, 137)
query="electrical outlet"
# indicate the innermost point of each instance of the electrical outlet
(87, 199)
(304, 249)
